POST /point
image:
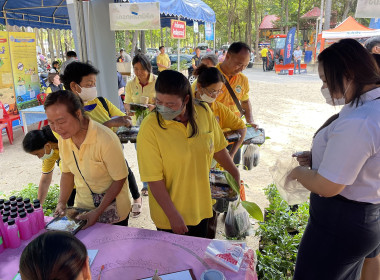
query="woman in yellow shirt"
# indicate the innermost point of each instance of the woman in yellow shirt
(175, 147)
(92, 158)
(80, 78)
(43, 144)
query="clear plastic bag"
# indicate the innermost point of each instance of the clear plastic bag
(290, 190)
(237, 224)
(251, 156)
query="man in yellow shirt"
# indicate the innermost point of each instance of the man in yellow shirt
(264, 57)
(163, 60)
(237, 59)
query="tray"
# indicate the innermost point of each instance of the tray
(68, 222)
(251, 137)
(128, 134)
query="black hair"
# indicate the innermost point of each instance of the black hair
(36, 139)
(72, 102)
(208, 76)
(349, 59)
(175, 83)
(212, 57)
(237, 47)
(143, 60)
(53, 255)
(161, 47)
(55, 62)
(372, 42)
(197, 48)
(71, 54)
(377, 58)
(75, 71)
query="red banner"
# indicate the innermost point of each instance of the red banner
(178, 29)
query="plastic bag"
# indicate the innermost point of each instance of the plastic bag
(237, 224)
(251, 156)
(290, 190)
(227, 254)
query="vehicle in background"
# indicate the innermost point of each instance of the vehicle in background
(203, 47)
(225, 47)
(151, 52)
(173, 60)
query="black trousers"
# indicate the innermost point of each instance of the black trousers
(340, 234)
(265, 63)
(199, 230)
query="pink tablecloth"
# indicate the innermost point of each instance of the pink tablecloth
(132, 253)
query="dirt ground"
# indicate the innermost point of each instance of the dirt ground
(289, 108)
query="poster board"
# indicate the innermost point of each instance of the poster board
(25, 69)
(178, 29)
(7, 93)
(135, 16)
(209, 31)
(367, 9)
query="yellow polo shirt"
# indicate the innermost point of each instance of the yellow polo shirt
(163, 59)
(264, 52)
(49, 164)
(134, 90)
(184, 163)
(239, 83)
(226, 118)
(100, 114)
(101, 161)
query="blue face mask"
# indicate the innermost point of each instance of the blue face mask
(167, 113)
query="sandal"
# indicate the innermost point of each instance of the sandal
(136, 210)
(144, 192)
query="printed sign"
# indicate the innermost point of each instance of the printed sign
(288, 52)
(7, 92)
(195, 26)
(178, 29)
(25, 71)
(209, 30)
(367, 9)
(141, 16)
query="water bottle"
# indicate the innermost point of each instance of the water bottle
(13, 209)
(6, 213)
(27, 205)
(33, 221)
(20, 204)
(19, 210)
(27, 200)
(13, 234)
(6, 203)
(40, 215)
(25, 227)
(12, 198)
(19, 199)
(1, 201)
(7, 208)
(3, 230)
(15, 217)
(36, 201)
(14, 203)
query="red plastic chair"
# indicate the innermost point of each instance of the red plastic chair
(2, 126)
(41, 97)
(8, 119)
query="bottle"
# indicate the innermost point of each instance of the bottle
(27, 205)
(20, 204)
(13, 234)
(15, 217)
(24, 227)
(14, 209)
(40, 215)
(1, 207)
(1, 201)
(14, 203)
(36, 201)
(3, 230)
(19, 210)
(6, 214)
(33, 221)
(19, 199)
(7, 208)
(7, 202)
(12, 198)
(27, 200)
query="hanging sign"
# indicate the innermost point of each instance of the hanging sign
(141, 16)
(209, 31)
(196, 27)
(367, 9)
(178, 29)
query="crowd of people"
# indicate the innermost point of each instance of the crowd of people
(182, 135)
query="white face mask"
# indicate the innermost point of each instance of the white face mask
(87, 94)
(207, 98)
(329, 100)
(47, 156)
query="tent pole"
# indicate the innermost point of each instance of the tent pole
(214, 38)
(178, 57)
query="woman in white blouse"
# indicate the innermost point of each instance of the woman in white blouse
(344, 179)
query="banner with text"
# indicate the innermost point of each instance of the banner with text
(288, 52)
(195, 26)
(25, 71)
(367, 9)
(7, 92)
(141, 16)
(209, 30)
(178, 29)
